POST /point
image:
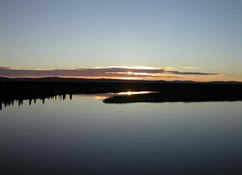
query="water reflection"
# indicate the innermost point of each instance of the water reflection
(123, 97)
(86, 136)
(4, 103)
(136, 93)
(127, 93)
(11, 102)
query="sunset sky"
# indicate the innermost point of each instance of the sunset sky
(197, 40)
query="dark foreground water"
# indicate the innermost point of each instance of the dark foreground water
(86, 136)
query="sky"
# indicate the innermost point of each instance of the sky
(197, 40)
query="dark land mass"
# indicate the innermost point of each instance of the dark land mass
(177, 97)
(181, 91)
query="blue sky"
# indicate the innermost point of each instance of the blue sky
(67, 34)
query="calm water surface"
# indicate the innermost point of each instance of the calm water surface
(86, 136)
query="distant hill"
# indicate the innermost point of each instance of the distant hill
(82, 80)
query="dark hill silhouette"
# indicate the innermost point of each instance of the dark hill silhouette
(80, 80)
(172, 97)
(41, 88)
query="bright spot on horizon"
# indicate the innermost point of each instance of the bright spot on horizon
(135, 92)
(128, 78)
(131, 67)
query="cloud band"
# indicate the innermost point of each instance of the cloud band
(97, 72)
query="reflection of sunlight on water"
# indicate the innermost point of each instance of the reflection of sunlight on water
(128, 93)
(63, 97)
(134, 93)
(129, 78)
(100, 97)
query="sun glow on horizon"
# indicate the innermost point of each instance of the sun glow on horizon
(127, 78)
(135, 92)
(119, 72)
(130, 67)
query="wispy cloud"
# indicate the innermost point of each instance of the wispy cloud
(168, 68)
(189, 67)
(191, 73)
(113, 71)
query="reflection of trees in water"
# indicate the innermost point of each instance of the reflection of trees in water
(4, 103)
